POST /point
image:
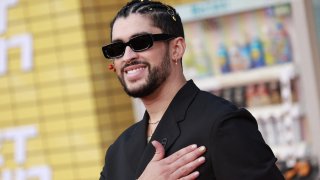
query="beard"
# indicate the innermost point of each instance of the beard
(156, 76)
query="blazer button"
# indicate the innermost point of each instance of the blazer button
(164, 142)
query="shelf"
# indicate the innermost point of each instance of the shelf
(290, 151)
(212, 9)
(282, 149)
(245, 77)
(274, 110)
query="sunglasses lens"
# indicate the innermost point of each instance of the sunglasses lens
(114, 50)
(141, 43)
(137, 44)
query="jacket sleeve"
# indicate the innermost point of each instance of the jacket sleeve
(239, 151)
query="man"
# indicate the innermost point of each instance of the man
(185, 133)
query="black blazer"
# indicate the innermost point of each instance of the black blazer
(235, 147)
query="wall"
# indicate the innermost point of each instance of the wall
(48, 119)
(60, 107)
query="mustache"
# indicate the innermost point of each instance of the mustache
(135, 62)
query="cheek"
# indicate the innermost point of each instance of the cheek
(157, 56)
(117, 68)
(117, 65)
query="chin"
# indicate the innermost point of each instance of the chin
(136, 93)
(134, 89)
(135, 85)
(139, 90)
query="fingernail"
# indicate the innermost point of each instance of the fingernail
(196, 173)
(201, 159)
(202, 148)
(194, 146)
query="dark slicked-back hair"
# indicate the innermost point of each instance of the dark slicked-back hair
(162, 16)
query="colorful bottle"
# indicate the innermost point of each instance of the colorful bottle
(283, 44)
(223, 59)
(257, 53)
(244, 49)
(269, 49)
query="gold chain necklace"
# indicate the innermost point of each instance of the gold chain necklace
(154, 122)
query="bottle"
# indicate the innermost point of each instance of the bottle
(275, 93)
(257, 54)
(268, 47)
(244, 49)
(250, 94)
(263, 94)
(235, 58)
(239, 96)
(223, 59)
(283, 44)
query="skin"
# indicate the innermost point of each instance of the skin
(179, 165)
(134, 76)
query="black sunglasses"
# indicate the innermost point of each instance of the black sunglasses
(137, 44)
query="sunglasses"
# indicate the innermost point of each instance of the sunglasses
(137, 44)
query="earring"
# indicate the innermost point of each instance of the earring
(175, 61)
(112, 68)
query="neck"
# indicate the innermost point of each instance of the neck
(157, 103)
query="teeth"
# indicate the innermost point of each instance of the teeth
(134, 70)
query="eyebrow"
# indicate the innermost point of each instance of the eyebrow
(134, 35)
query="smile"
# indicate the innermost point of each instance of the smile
(132, 71)
(135, 72)
(134, 68)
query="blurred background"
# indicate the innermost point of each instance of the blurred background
(61, 108)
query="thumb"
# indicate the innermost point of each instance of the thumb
(159, 154)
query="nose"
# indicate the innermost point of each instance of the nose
(129, 54)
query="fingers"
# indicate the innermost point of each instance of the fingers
(191, 176)
(187, 163)
(188, 157)
(175, 156)
(185, 170)
(180, 164)
(159, 154)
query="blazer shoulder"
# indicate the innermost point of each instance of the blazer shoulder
(126, 134)
(216, 102)
(220, 107)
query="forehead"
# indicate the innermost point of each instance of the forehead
(124, 28)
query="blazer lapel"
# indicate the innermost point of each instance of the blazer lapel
(136, 143)
(168, 129)
(166, 133)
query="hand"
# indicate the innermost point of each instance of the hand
(179, 165)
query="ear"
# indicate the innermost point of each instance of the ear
(178, 46)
